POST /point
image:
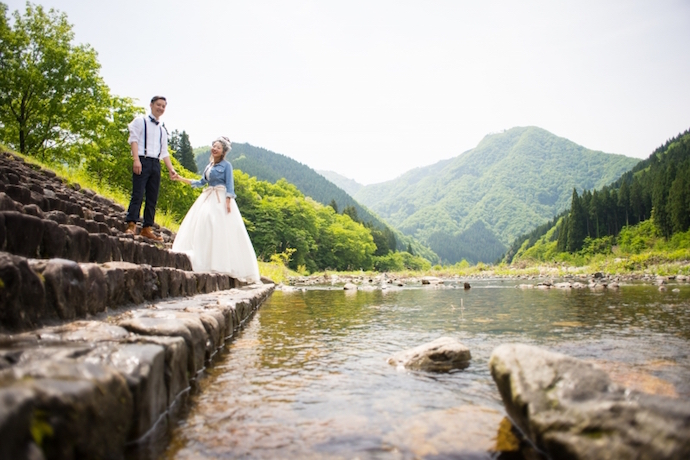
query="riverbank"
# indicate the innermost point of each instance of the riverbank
(539, 277)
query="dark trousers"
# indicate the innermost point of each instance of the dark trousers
(147, 183)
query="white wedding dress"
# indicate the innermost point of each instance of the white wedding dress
(215, 240)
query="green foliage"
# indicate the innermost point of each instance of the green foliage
(510, 183)
(280, 219)
(52, 98)
(399, 261)
(638, 238)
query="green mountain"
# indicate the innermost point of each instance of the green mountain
(271, 167)
(351, 186)
(472, 206)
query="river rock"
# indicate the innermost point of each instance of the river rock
(570, 409)
(441, 355)
(431, 280)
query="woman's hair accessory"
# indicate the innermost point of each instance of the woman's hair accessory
(225, 142)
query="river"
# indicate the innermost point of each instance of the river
(307, 377)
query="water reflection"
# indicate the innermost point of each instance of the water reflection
(308, 377)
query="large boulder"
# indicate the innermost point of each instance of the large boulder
(441, 355)
(570, 409)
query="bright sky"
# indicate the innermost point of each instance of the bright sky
(371, 89)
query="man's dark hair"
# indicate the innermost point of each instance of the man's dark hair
(155, 98)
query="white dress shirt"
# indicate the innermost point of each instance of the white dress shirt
(156, 137)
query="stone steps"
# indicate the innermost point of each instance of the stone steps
(102, 334)
(107, 388)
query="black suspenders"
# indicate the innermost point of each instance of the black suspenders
(146, 139)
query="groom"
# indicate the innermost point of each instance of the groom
(148, 139)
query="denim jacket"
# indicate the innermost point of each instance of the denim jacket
(218, 174)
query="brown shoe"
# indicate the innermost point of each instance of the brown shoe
(147, 232)
(131, 228)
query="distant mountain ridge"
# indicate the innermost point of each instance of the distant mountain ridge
(351, 186)
(472, 206)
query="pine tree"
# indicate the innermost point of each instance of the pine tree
(577, 224)
(185, 153)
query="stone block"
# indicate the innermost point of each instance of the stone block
(54, 240)
(19, 193)
(22, 295)
(169, 324)
(143, 367)
(57, 216)
(163, 275)
(84, 409)
(78, 244)
(7, 203)
(95, 288)
(115, 282)
(133, 281)
(65, 287)
(100, 249)
(176, 363)
(24, 233)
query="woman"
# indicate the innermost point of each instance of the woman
(212, 233)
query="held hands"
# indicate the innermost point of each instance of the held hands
(173, 175)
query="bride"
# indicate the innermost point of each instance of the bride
(212, 233)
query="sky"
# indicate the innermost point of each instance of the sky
(372, 89)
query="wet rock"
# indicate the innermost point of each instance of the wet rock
(172, 325)
(431, 280)
(441, 355)
(82, 410)
(350, 287)
(142, 365)
(570, 409)
(176, 364)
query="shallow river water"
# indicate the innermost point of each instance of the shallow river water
(307, 377)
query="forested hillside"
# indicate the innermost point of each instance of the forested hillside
(657, 188)
(472, 206)
(349, 185)
(270, 166)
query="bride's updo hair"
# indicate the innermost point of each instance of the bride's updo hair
(225, 142)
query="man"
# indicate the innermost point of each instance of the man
(148, 139)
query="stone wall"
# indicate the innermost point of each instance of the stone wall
(102, 334)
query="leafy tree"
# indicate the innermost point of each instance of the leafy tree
(47, 85)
